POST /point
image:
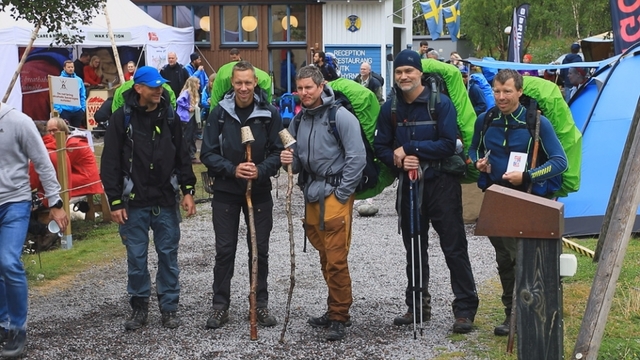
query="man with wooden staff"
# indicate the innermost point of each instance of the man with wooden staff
(502, 150)
(224, 154)
(329, 172)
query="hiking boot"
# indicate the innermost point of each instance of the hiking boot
(503, 329)
(462, 326)
(336, 331)
(14, 346)
(323, 321)
(264, 318)
(217, 319)
(407, 318)
(170, 319)
(139, 314)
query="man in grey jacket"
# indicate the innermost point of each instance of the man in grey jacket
(330, 171)
(19, 142)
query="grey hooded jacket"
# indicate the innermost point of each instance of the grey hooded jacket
(318, 151)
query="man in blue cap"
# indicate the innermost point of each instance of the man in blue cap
(414, 143)
(143, 184)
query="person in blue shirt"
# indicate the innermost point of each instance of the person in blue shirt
(490, 150)
(74, 114)
(195, 68)
(475, 95)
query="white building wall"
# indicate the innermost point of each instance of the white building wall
(376, 30)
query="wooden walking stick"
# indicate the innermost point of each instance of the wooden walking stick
(534, 163)
(288, 141)
(247, 139)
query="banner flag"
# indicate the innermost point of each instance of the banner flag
(432, 11)
(516, 37)
(625, 19)
(452, 18)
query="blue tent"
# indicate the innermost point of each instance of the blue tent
(602, 111)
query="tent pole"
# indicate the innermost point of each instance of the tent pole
(34, 35)
(113, 45)
(144, 49)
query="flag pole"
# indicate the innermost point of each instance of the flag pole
(34, 35)
(116, 56)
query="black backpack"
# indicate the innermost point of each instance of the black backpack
(378, 76)
(371, 171)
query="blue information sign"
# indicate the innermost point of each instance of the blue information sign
(350, 57)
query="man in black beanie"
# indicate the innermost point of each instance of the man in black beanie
(195, 68)
(409, 140)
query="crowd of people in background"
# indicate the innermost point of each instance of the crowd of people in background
(169, 107)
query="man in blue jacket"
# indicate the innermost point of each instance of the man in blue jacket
(74, 114)
(409, 140)
(507, 132)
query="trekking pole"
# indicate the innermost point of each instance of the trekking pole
(288, 141)
(412, 176)
(247, 139)
(534, 161)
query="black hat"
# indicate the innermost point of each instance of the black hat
(407, 58)
(194, 56)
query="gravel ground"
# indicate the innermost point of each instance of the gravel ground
(85, 320)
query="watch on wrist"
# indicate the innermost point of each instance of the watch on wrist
(191, 192)
(57, 205)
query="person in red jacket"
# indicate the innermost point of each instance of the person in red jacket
(93, 73)
(85, 177)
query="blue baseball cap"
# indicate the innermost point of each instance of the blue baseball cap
(149, 76)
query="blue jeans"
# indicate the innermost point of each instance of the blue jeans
(166, 237)
(14, 221)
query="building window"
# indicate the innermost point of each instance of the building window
(288, 24)
(239, 24)
(196, 16)
(398, 11)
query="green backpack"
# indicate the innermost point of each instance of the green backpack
(222, 83)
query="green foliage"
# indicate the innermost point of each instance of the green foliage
(619, 341)
(55, 15)
(484, 22)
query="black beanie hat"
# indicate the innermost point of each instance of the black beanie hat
(194, 56)
(407, 58)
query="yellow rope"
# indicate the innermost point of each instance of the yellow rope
(578, 248)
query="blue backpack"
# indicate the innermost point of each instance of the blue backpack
(483, 84)
(287, 108)
(332, 62)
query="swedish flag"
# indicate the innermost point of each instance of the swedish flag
(432, 11)
(452, 18)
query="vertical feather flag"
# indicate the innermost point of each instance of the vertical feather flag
(452, 18)
(432, 11)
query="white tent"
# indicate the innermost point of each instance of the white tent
(131, 27)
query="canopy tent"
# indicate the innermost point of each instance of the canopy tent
(530, 66)
(131, 27)
(597, 47)
(603, 111)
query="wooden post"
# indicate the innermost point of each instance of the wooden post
(538, 224)
(623, 205)
(34, 35)
(116, 56)
(63, 178)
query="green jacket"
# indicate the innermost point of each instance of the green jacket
(118, 99)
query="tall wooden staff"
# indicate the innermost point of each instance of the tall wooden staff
(288, 141)
(116, 56)
(247, 139)
(34, 35)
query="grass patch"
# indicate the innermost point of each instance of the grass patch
(620, 340)
(94, 244)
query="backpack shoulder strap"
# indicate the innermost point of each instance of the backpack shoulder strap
(332, 122)
(127, 121)
(488, 118)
